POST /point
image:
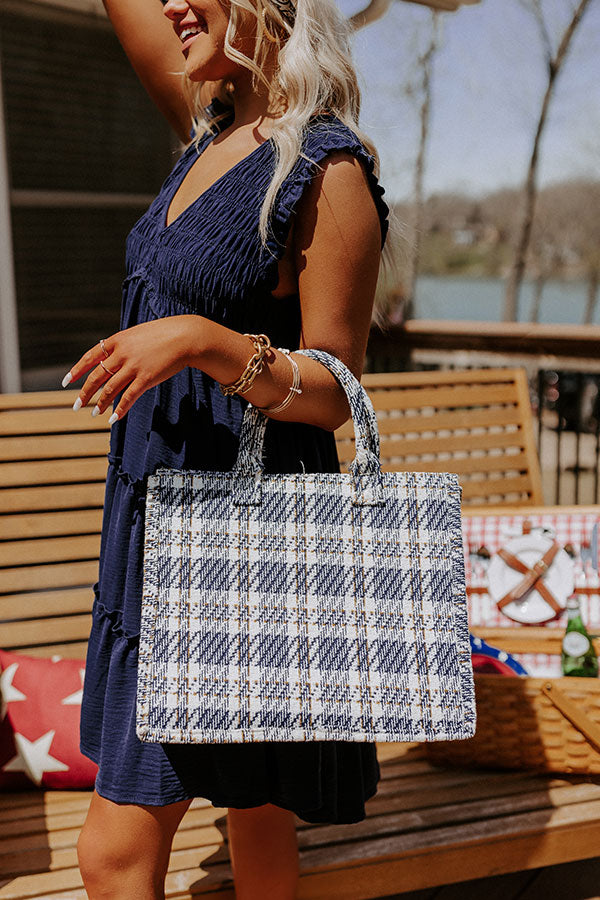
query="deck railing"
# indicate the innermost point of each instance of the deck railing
(563, 367)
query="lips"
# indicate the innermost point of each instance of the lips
(188, 33)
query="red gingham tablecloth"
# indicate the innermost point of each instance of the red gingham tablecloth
(493, 532)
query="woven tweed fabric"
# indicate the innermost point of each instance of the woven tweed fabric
(304, 607)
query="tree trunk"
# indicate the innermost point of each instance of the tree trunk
(426, 66)
(538, 290)
(511, 301)
(592, 296)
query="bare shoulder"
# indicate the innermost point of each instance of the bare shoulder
(337, 246)
(340, 200)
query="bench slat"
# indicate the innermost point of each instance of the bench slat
(504, 462)
(39, 604)
(19, 526)
(16, 500)
(406, 447)
(442, 397)
(417, 422)
(76, 650)
(54, 446)
(50, 421)
(59, 471)
(17, 634)
(451, 376)
(46, 550)
(28, 578)
(519, 485)
(37, 400)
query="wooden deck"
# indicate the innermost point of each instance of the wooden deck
(426, 827)
(571, 881)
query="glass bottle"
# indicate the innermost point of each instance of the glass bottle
(578, 655)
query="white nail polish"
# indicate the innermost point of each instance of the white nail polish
(67, 379)
(96, 411)
(77, 405)
(114, 418)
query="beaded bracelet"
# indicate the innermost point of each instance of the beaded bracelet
(253, 368)
(294, 389)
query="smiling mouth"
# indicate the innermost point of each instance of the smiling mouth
(189, 34)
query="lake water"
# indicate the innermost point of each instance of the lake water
(482, 298)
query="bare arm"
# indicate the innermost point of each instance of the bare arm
(155, 53)
(338, 250)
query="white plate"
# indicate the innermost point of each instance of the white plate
(559, 579)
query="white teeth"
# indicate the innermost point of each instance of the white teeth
(188, 32)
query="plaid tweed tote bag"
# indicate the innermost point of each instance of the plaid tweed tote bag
(304, 607)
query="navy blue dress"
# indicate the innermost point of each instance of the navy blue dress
(210, 262)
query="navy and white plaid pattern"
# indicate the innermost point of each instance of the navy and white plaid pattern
(304, 607)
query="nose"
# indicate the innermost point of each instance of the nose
(173, 9)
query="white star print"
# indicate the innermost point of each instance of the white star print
(33, 757)
(9, 693)
(76, 698)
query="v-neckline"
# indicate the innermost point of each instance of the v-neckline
(178, 183)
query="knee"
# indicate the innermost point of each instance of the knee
(105, 863)
(98, 858)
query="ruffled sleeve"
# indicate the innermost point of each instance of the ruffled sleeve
(325, 136)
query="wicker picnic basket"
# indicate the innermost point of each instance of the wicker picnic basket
(542, 724)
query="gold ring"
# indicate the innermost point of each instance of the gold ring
(107, 370)
(104, 350)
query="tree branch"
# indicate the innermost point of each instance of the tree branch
(375, 10)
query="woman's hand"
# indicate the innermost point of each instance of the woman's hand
(136, 360)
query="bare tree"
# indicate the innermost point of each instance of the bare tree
(422, 92)
(554, 61)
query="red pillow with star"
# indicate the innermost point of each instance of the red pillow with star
(39, 723)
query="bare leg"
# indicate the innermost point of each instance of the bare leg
(124, 848)
(263, 848)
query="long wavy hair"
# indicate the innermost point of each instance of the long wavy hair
(313, 72)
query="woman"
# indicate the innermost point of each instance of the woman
(272, 222)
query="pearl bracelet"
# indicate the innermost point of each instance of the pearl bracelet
(294, 389)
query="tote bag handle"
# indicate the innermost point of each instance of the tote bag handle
(366, 466)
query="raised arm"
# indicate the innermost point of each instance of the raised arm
(155, 53)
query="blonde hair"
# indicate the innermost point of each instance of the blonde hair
(314, 73)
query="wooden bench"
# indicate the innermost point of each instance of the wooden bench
(425, 826)
(476, 423)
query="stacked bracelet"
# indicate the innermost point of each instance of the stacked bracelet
(294, 389)
(253, 368)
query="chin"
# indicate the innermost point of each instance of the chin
(205, 70)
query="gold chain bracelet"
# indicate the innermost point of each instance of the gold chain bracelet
(253, 368)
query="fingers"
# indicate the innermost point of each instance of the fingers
(124, 383)
(114, 369)
(132, 393)
(98, 377)
(88, 361)
(112, 387)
